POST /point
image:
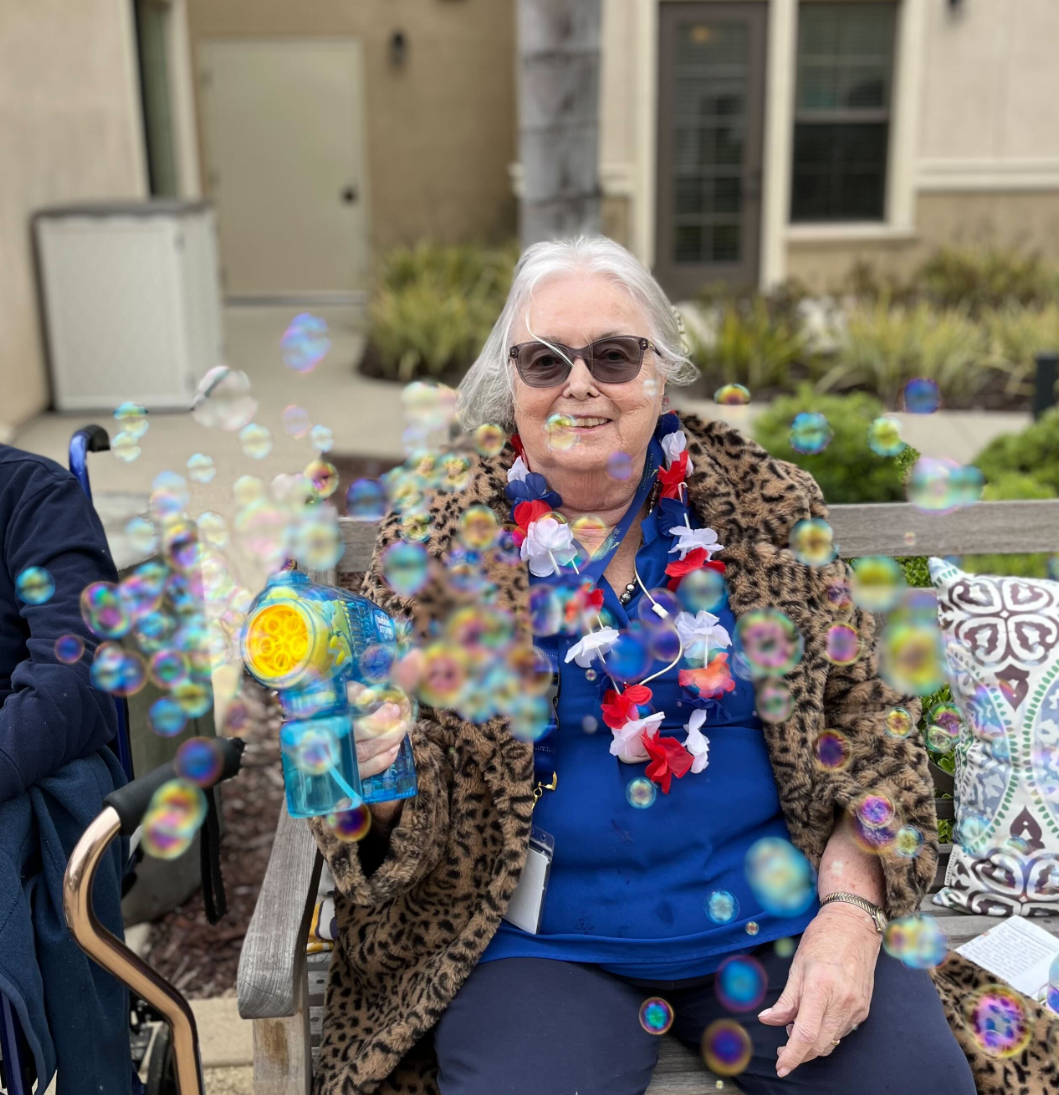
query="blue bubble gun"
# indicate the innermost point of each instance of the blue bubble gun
(316, 647)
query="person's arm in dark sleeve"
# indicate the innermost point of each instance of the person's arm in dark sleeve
(54, 714)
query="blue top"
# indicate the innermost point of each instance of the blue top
(629, 887)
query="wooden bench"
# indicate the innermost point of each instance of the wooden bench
(282, 993)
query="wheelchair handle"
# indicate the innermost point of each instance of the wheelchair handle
(131, 801)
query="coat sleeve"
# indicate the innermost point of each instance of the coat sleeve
(856, 703)
(54, 715)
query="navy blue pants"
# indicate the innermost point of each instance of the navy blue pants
(531, 1026)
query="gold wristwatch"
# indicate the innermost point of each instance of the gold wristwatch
(873, 910)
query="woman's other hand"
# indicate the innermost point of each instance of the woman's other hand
(829, 986)
(378, 737)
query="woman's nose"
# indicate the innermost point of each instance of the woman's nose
(580, 384)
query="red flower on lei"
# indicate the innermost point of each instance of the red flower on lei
(668, 759)
(525, 513)
(710, 681)
(622, 707)
(694, 560)
(672, 478)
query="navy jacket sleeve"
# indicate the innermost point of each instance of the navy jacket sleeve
(51, 713)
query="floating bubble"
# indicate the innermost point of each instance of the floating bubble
(1052, 993)
(444, 675)
(169, 496)
(873, 809)
(545, 609)
(194, 697)
(972, 829)
(323, 476)
(878, 583)
(132, 419)
(619, 466)
(943, 727)
(198, 760)
(912, 658)
(223, 400)
(838, 595)
(125, 446)
(530, 718)
(69, 649)
(590, 724)
(200, 468)
(141, 535)
(884, 436)
(34, 586)
(773, 700)
(752, 927)
(832, 750)
(656, 1015)
(843, 644)
(166, 717)
(769, 641)
(256, 441)
(295, 420)
(366, 500)
(908, 842)
(726, 1047)
(352, 824)
(943, 486)
(212, 529)
(322, 438)
(702, 590)
(478, 528)
(641, 792)
(812, 542)
(629, 658)
(560, 432)
(168, 668)
(780, 876)
(174, 816)
(810, 433)
(784, 947)
(313, 749)
(429, 406)
(921, 396)
(489, 439)
(1000, 1021)
(740, 983)
(404, 567)
(103, 611)
(722, 907)
(304, 343)
(917, 941)
(732, 395)
(899, 723)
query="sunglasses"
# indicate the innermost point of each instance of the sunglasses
(614, 360)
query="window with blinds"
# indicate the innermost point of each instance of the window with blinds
(842, 111)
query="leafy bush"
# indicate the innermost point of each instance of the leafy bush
(1016, 335)
(981, 279)
(847, 470)
(1034, 452)
(435, 306)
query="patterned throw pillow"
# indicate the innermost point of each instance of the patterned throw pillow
(1002, 648)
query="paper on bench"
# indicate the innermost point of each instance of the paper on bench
(1017, 951)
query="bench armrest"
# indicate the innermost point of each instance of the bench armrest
(273, 953)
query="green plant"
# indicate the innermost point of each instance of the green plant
(435, 305)
(847, 470)
(979, 279)
(1016, 335)
(1034, 452)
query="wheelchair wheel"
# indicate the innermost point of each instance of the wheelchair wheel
(161, 1074)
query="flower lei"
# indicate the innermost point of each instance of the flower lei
(547, 544)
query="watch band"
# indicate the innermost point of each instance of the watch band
(873, 910)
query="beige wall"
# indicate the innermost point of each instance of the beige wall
(1026, 221)
(441, 128)
(70, 130)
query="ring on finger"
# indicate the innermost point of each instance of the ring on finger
(835, 1042)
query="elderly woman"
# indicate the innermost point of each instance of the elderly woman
(717, 867)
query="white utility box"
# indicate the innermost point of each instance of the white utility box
(130, 295)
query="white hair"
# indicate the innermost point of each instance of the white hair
(487, 392)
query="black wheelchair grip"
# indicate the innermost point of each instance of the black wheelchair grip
(96, 438)
(131, 801)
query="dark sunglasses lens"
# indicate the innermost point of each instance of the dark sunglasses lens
(616, 360)
(540, 366)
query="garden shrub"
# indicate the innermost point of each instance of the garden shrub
(979, 279)
(1034, 452)
(847, 470)
(1016, 336)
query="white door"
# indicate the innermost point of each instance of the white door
(284, 141)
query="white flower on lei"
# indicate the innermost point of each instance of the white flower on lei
(673, 444)
(628, 741)
(688, 539)
(549, 546)
(700, 633)
(697, 744)
(594, 644)
(518, 471)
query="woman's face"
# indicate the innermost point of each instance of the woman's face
(581, 424)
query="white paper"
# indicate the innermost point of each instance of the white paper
(1017, 951)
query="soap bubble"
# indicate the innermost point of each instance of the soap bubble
(116, 670)
(35, 586)
(311, 747)
(429, 406)
(921, 396)
(702, 590)
(732, 395)
(752, 927)
(198, 760)
(404, 567)
(843, 644)
(810, 433)
(943, 727)
(295, 420)
(911, 658)
(322, 438)
(444, 675)
(908, 842)
(212, 529)
(784, 947)
(628, 659)
(832, 750)
(256, 441)
(323, 476)
(318, 540)
(656, 1015)
(641, 792)
(174, 816)
(169, 495)
(740, 983)
(726, 1047)
(305, 343)
(366, 500)
(812, 542)
(942, 486)
(773, 700)
(194, 697)
(884, 436)
(489, 439)
(168, 667)
(722, 907)
(200, 467)
(917, 941)
(132, 419)
(223, 400)
(1000, 1021)
(351, 824)
(1052, 995)
(899, 723)
(780, 876)
(560, 432)
(69, 648)
(103, 611)
(125, 446)
(878, 583)
(478, 528)
(545, 609)
(619, 465)
(769, 641)
(874, 810)
(141, 536)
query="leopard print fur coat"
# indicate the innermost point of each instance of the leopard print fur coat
(413, 928)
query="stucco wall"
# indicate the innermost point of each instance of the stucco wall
(441, 128)
(70, 130)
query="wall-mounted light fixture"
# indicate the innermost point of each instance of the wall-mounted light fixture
(398, 48)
